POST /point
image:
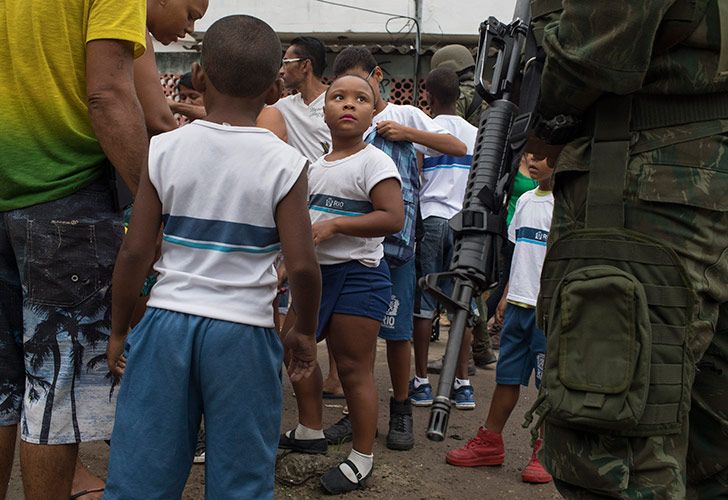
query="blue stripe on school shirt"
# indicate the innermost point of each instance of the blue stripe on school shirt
(219, 232)
(447, 161)
(339, 206)
(532, 235)
(220, 248)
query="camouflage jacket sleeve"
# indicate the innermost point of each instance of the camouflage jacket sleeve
(597, 46)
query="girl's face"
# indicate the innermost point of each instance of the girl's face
(349, 106)
(169, 20)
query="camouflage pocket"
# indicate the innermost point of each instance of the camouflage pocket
(598, 313)
(692, 186)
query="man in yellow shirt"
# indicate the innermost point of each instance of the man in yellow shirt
(69, 113)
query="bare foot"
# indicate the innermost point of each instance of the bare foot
(84, 480)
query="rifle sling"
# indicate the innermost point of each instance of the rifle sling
(609, 158)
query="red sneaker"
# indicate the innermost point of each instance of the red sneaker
(486, 448)
(534, 471)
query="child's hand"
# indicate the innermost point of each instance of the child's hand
(323, 230)
(282, 277)
(302, 348)
(500, 311)
(392, 131)
(115, 355)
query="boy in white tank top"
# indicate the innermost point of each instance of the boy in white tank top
(206, 344)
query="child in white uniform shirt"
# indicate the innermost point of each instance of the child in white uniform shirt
(355, 200)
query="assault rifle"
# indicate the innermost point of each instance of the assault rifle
(480, 226)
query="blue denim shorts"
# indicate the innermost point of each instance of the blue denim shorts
(397, 323)
(56, 260)
(434, 252)
(522, 348)
(354, 289)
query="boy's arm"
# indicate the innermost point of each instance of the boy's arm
(386, 218)
(135, 257)
(304, 276)
(444, 143)
(157, 115)
(271, 119)
(191, 111)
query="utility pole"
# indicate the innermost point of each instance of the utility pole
(418, 50)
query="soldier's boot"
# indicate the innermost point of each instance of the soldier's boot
(534, 472)
(486, 448)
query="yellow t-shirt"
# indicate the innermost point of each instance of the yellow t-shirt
(48, 148)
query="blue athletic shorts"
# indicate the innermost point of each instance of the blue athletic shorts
(354, 289)
(397, 323)
(522, 348)
(179, 367)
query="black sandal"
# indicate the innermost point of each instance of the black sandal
(311, 446)
(334, 482)
(83, 493)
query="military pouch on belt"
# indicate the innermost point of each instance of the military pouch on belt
(616, 307)
(598, 323)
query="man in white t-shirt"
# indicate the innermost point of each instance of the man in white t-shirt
(303, 67)
(303, 113)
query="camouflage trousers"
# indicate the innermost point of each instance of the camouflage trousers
(676, 194)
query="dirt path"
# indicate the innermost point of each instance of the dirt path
(417, 474)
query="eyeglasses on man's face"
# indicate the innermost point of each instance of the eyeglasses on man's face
(287, 60)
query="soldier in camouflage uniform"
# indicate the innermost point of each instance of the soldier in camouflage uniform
(459, 59)
(675, 191)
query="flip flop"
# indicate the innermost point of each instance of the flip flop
(333, 395)
(85, 492)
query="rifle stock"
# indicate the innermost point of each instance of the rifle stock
(480, 226)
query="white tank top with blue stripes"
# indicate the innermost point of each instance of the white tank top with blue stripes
(219, 186)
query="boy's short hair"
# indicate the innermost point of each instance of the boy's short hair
(443, 84)
(354, 57)
(185, 81)
(241, 55)
(313, 49)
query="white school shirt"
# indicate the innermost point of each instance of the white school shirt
(341, 188)
(409, 116)
(529, 230)
(307, 131)
(445, 177)
(219, 186)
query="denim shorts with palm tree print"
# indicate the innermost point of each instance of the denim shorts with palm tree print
(56, 261)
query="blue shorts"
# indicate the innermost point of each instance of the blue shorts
(354, 289)
(179, 367)
(434, 252)
(397, 323)
(283, 300)
(522, 348)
